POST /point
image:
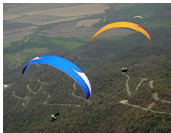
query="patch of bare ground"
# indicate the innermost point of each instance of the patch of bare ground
(54, 15)
(78, 10)
(150, 106)
(37, 19)
(9, 16)
(30, 7)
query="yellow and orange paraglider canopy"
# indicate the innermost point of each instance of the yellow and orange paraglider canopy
(130, 25)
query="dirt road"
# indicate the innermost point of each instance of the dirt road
(127, 85)
(125, 102)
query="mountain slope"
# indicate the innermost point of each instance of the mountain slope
(29, 101)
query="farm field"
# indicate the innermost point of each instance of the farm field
(41, 14)
(54, 15)
(18, 34)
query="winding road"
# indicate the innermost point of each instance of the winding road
(70, 105)
(28, 87)
(78, 96)
(125, 102)
(127, 86)
(21, 98)
(139, 84)
(151, 83)
(59, 104)
(28, 98)
(155, 96)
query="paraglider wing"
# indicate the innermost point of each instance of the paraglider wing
(130, 25)
(66, 66)
(138, 17)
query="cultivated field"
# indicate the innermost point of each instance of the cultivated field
(10, 16)
(18, 34)
(78, 10)
(42, 14)
(51, 15)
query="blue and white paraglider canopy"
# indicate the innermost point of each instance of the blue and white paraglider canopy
(66, 66)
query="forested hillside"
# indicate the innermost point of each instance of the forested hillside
(136, 101)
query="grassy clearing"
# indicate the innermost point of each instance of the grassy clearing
(6, 43)
(85, 39)
(71, 45)
(35, 39)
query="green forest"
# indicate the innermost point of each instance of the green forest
(148, 108)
